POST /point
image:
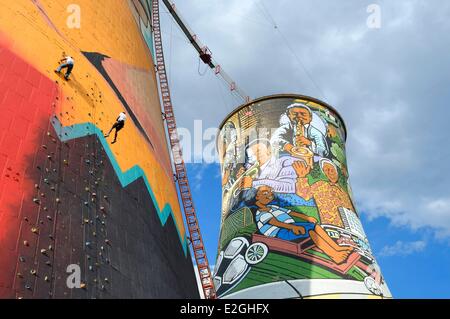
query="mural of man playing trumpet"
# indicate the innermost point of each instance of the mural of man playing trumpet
(296, 130)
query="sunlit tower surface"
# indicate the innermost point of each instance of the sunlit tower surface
(289, 225)
(70, 198)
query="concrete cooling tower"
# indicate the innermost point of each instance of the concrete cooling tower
(289, 226)
(72, 202)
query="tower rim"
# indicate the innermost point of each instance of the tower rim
(283, 95)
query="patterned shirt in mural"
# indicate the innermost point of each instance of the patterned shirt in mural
(263, 217)
(328, 197)
(278, 174)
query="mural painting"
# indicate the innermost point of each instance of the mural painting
(68, 195)
(289, 224)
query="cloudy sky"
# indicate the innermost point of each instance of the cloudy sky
(390, 84)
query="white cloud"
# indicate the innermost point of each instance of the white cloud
(403, 248)
(389, 84)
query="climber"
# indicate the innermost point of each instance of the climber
(120, 122)
(66, 62)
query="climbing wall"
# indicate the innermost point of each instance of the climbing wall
(68, 196)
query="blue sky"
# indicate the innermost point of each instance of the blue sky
(389, 84)
(411, 272)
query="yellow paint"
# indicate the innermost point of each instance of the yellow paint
(107, 27)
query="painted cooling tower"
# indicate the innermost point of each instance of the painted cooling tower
(70, 197)
(289, 225)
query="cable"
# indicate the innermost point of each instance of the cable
(198, 68)
(286, 42)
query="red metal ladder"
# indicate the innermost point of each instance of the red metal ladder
(180, 168)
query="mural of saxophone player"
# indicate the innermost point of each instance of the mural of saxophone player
(328, 195)
(297, 129)
(278, 222)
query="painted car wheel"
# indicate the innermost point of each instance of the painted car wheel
(372, 286)
(256, 253)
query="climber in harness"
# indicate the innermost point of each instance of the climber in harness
(120, 122)
(66, 62)
(206, 55)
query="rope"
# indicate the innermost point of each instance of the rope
(270, 18)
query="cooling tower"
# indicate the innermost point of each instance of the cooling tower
(72, 202)
(289, 226)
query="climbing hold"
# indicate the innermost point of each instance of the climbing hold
(25, 243)
(49, 217)
(58, 200)
(33, 272)
(48, 263)
(46, 279)
(22, 259)
(88, 244)
(34, 230)
(82, 285)
(36, 200)
(50, 247)
(36, 186)
(44, 251)
(19, 275)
